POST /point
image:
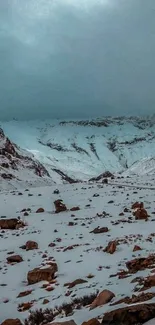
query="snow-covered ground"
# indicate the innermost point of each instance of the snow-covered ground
(88, 257)
(84, 149)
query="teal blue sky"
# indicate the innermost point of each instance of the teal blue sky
(76, 58)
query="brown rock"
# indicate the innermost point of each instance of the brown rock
(141, 263)
(45, 301)
(75, 209)
(59, 206)
(99, 230)
(46, 274)
(11, 224)
(14, 259)
(92, 321)
(103, 298)
(136, 248)
(148, 283)
(111, 248)
(136, 314)
(135, 299)
(40, 210)
(24, 293)
(12, 322)
(25, 306)
(137, 205)
(30, 245)
(140, 214)
(74, 283)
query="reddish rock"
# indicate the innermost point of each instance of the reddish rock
(136, 314)
(24, 293)
(135, 299)
(99, 230)
(111, 248)
(25, 306)
(74, 283)
(141, 263)
(136, 248)
(14, 259)
(11, 224)
(148, 283)
(45, 301)
(40, 210)
(30, 245)
(59, 206)
(12, 322)
(75, 209)
(46, 274)
(92, 321)
(140, 214)
(137, 205)
(103, 298)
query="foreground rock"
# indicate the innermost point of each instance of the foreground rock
(137, 314)
(69, 322)
(11, 224)
(59, 206)
(103, 298)
(46, 274)
(30, 245)
(12, 322)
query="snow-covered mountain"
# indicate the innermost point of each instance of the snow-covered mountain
(82, 149)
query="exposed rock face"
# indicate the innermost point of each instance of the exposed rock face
(111, 248)
(141, 263)
(14, 259)
(148, 283)
(59, 206)
(37, 275)
(137, 314)
(12, 322)
(11, 224)
(103, 298)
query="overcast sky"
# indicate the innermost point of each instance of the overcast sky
(76, 58)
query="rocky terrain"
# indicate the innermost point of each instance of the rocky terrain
(79, 251)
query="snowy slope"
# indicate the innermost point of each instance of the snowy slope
(83, 149)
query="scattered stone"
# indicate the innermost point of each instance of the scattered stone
(11, 224)
(14, 259)
(24, 293)
(136, 248)
(111, 248)
(141, 263)
(137, 205)
(75, 209)
(46, 274)
(140, 214)
(99, 230)
(92, 321)
(30, 245)
(74, 283)
(12, 322)
(59, 206)
(40, 210)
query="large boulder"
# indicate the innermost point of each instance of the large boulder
(59, 206)
(103, 298)
(44, 274)
(12, 322)
(135, 314)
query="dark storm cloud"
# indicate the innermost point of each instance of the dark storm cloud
(74, 58)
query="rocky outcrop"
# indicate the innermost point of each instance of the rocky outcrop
(136, 314)
(141, 263)
(12, 322)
